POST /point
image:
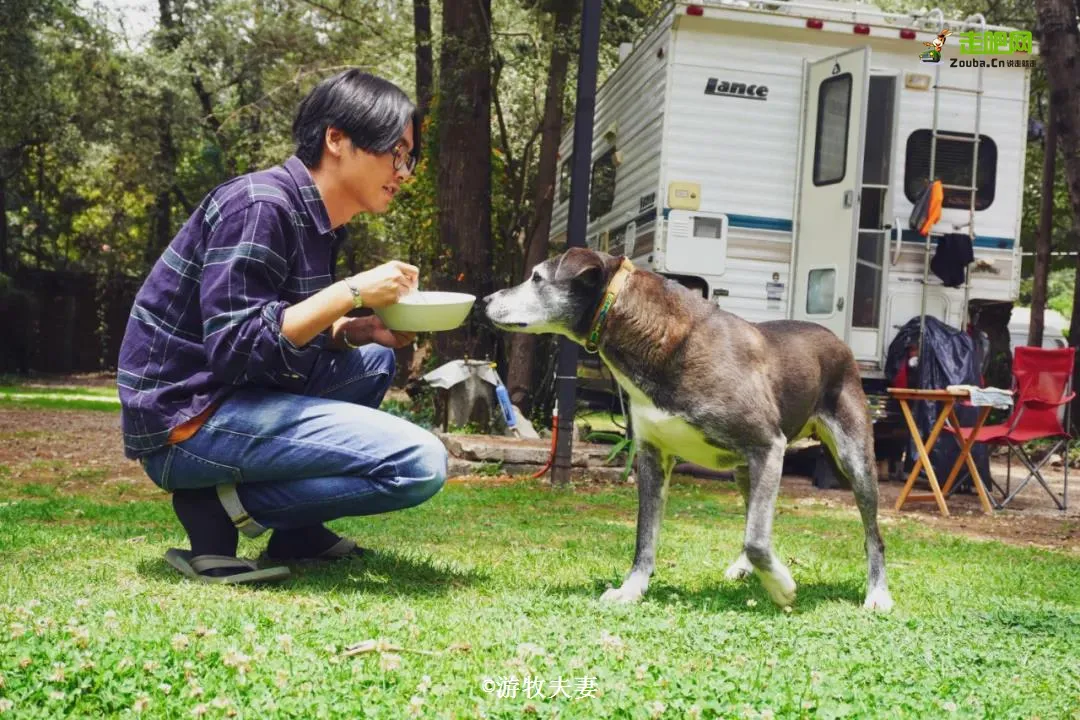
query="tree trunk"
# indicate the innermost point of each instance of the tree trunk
(1059, 43)
(425, 65)
(463, 181)
(4, 269)
(522, 346)
(1045, 239)
(165, 160)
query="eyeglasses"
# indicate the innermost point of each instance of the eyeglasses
(403, 162)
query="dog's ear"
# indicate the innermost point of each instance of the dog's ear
(589, 276)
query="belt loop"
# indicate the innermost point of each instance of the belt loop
(230, 500)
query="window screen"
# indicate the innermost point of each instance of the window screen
(602, 192)
(831, 141)
(564, 181)
(953, 167)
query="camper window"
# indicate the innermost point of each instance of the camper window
(602, 193)
(831, 141)
(820, 291)
(564, 181)
(952, 166)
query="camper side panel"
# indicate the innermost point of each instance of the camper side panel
(733, 128)
(626, 149)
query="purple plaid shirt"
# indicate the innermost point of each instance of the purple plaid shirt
(208, 317)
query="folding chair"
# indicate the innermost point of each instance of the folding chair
(1042, 383)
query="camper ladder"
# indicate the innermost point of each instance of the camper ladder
(972, 189)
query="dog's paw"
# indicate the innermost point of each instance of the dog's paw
(879, 600)
(631, 591)
(619, 596)
(739, 570)
(780, 586)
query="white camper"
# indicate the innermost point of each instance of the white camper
(769, 154)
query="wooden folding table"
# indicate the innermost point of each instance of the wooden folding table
(948, 399)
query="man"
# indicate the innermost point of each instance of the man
(246, 391)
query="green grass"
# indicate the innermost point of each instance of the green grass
(104, 392)
(486, 582)
(60, 398)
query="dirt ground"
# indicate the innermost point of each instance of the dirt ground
(80, 452)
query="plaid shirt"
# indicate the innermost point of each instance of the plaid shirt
(208, 317)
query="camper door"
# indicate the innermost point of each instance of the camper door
(835, 90)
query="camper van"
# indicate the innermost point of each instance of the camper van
(770, 154)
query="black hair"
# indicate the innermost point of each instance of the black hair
(371, 111)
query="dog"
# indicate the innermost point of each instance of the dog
(713, 389)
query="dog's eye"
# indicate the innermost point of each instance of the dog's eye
(536, 277)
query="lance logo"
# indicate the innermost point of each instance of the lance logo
(715, 86)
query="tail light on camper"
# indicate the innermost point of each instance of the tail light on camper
(815, 24)
(695, 10)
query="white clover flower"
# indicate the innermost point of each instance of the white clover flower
(611, 642)
(81, 603)
(236, 659)
(141, 703)
(17, 629)
(657, 708)
(416, 705)
(199, 710)
(57, 674)
(180, 641)
(751, 603)
(389, 662)
(5, 705)
(284, 642)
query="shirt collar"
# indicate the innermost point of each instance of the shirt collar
(309, 193)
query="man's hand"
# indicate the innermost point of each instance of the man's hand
(384, 285)
(361, 331)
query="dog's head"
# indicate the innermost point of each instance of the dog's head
(560, 296)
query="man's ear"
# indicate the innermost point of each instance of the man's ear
(334, 141)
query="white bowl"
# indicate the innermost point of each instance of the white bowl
(427, 311)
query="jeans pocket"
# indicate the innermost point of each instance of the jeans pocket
(156, 466)
(184, 470)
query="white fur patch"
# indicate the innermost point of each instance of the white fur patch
(671, 433)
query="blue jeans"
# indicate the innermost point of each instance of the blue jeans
(301, 460)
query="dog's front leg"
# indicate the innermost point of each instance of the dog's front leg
(654, 472)
(766, 467)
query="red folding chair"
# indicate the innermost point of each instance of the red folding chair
(1042, 386)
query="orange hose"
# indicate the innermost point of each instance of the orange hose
(554, 440)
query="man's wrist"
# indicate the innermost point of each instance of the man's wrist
(345, 333)
(354, 293)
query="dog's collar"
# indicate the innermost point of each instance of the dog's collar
(592, 341)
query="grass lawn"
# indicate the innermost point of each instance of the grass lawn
(496, 581)
(61, 398)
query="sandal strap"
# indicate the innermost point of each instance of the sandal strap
(341, 548)
(243, 522)
(202, 563)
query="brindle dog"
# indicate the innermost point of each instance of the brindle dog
(712, 388)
